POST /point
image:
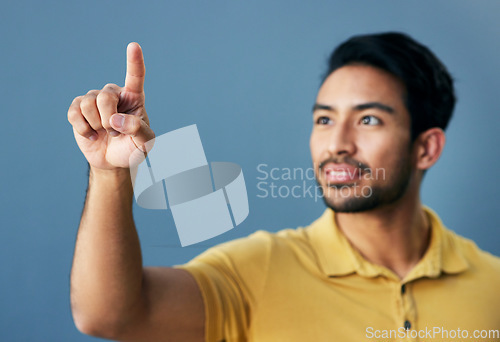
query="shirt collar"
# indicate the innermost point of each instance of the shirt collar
(337, 257)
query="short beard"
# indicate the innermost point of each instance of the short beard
(380, 196)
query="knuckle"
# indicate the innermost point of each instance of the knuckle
(76, 100)
(93, 92)
(110, 86)
(105, 97)
(88, 102)
(73, 114)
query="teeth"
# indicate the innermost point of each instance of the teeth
(337, 173)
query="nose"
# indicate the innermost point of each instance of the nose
(341, 140)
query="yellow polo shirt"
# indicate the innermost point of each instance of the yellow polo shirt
(309, 284)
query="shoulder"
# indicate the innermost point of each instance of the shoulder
(480, 262)
(264, 244)
(458, 253)
(256, 253)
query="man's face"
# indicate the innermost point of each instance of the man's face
(360, 142)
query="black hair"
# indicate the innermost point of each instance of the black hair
(429, 93)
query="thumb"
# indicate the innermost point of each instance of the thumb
(135, 127)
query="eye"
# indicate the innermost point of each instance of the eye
(323, 120)
(370, 120)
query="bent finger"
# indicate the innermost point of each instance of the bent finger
(89, 110)
(135, 127)
(80, 125)
(107, 104)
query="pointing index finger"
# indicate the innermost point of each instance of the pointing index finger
(136, 71)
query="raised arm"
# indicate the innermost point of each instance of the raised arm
(112, 295)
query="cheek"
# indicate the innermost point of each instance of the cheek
(392, 159)
(381, 152)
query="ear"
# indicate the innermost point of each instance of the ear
(428, 147)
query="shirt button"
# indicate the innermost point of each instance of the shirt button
(407, 325)
(403, 289)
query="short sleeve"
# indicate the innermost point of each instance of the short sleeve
(231, 278)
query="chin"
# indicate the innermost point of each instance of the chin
(365, 199)
(352, 205)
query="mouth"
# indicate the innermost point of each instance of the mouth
(335, 174)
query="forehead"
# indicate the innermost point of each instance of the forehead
(355, 84)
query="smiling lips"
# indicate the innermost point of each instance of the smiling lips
(341, 173)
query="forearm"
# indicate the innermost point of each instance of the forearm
(106, 277)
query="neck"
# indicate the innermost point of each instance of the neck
(394, 236)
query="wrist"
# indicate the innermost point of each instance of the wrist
(111, 176)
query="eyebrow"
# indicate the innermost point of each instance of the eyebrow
(358, 108)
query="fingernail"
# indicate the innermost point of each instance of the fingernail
(114, 133)
(93, 137)
(118, 120)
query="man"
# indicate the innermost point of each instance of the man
(377, 265)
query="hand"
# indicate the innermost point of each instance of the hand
(110, 124)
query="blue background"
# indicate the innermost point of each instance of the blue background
(246, 72)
